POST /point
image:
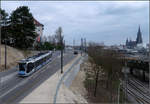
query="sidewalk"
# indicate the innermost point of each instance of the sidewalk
(46, 91)
(65, 94)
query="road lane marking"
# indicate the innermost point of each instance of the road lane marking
(21, 83)
(5, 78)
(26, 80)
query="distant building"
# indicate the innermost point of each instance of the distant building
(39, 30)
(38, 27)
(138, 43)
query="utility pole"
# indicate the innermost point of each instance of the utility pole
(5, 54)
(126, 82)
(5, 46)
(61, 42)
(119, 93)
(73, 44)
(0, 52)
(81, 46)
(61, 59)
(85, 44)
(64, 46)
(149, 63)
(0, 39)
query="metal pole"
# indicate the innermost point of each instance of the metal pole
(149, 61)
(85, 44)
(61, 42)
(0, 42)
(125, 92)
(5, 54)
(61, 60)
(119, 93)
(81, 46)
(64, 46)
(0, 52)
(126, 81)
(73, 44)
(5, 47)
(149, 56)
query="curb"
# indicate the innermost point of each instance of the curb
(62, 78)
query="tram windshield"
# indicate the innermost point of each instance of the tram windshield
(22, 66)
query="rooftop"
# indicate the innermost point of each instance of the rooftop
(37, 23)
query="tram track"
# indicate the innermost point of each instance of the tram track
(138, 98)
(138, 82)
(145, 96)
(137, 90)
(29, 83)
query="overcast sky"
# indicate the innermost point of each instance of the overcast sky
(109, 22)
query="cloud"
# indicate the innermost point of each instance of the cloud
(110, 22)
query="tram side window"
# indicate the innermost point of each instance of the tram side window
(37, 63)
(30, 67)
(46, 57)
(41, 61)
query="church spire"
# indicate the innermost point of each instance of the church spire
(139, 37)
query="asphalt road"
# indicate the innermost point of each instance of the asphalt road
(15, 88)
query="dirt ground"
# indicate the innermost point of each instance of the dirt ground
(77, 86)
(13, 56)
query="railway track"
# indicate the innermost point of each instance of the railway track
(139, 88)
(138, 82)
(138, 91)
(138, 99)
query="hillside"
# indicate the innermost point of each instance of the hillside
(13, 56)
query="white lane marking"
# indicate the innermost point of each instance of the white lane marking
(21, 83)
(5, 78)
(60, 55)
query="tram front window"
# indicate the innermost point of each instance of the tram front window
(22, 66)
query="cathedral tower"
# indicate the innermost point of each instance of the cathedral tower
(139, 40)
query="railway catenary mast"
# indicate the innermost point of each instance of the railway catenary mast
(149, 61)
(0, 41)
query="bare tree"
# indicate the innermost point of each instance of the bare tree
(107, 61)
(93, 52)
(59, 37)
